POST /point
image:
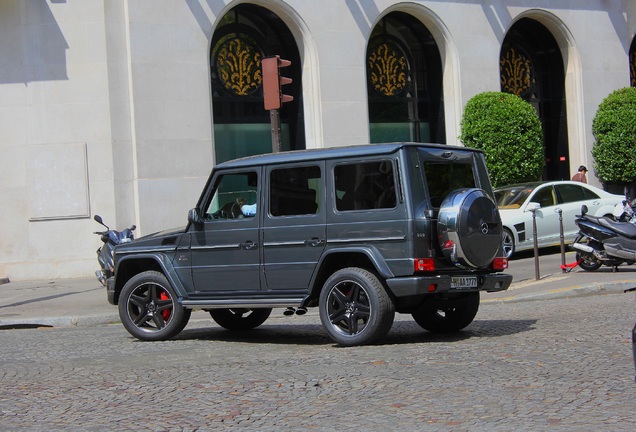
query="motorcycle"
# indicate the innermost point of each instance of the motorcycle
(111, 238)
(604, 241)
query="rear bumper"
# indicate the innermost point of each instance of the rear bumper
(418, 285)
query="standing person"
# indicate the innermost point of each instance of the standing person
(580, 175)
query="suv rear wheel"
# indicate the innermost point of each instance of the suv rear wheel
(458, 314)
(149, 309)
(355, 309)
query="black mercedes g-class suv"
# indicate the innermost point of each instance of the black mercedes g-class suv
(360, 232)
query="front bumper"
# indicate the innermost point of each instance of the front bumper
(110, 290)
(419, 285)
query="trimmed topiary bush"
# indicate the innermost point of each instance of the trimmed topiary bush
(508, 130)
(614, 128)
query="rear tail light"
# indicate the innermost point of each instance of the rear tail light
(500, 263)
(424, 264)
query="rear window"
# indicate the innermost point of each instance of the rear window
(444, 177)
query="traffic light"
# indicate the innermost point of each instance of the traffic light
(273, 96)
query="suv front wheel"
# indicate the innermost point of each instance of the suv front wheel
(149, 309)
(458, 314)
(355, 309)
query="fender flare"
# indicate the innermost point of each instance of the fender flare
(163, 262)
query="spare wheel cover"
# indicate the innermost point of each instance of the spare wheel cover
(469, 228)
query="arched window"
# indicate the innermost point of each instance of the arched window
(531, 66)
(244, 36)
(404, 82)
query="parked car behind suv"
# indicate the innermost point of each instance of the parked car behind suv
(517, 202)
(359, 232)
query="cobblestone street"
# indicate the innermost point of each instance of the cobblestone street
(544, 365)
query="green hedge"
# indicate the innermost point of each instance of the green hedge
(614, 128)
(509, 131)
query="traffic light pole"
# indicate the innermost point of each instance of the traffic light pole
(273, 97)
(274, 118)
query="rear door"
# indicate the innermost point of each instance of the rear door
(294, 233)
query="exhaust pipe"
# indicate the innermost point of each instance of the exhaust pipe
(583, 247)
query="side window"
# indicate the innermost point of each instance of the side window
(365, 186)
(295, 191)
(544, 196)
(570, 193)
(589, 195)
(235, 197)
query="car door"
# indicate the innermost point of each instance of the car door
(547, 216)
(225, 247)
(293, 225)
(571, 197)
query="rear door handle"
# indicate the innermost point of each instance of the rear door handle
(248, 245)
(315, 242)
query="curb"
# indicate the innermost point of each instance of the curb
(63, 321)
(568, 292)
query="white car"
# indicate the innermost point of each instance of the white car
(517, 202)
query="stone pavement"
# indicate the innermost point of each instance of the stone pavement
(82, 302)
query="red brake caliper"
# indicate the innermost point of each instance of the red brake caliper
(165, 313)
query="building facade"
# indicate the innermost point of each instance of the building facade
(122, 107)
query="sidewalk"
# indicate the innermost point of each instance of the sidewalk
(82, 302)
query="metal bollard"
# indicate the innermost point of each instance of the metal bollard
(633, 334)
(536, 244)
(562, 241)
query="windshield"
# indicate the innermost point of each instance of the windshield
(512, 197)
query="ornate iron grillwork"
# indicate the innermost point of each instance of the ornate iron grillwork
(516, 72)
(238, 65)
(388, 69)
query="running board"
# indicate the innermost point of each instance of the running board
(246, 304)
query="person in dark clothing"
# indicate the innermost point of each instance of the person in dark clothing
(580, 175)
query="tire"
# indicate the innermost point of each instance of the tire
(588, 262)
(149, 308)
(457, 315)
(355, 309)
(239, 319)
(469, 228)
(507, 243)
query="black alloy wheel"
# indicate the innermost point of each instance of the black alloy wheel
(458, 314)
(239, 318)
(355, 308)
(149, 309)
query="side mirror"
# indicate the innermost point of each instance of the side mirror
(533, 206)
(194, 217)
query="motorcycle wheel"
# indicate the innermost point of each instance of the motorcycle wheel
(588, 262)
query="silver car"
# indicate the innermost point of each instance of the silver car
(517, 202)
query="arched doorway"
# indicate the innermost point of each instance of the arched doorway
(244, 36)
(404, 82)
(531, 66)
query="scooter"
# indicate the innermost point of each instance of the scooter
(111, 238)
(603, 241)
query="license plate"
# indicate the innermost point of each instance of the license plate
(464, 282)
